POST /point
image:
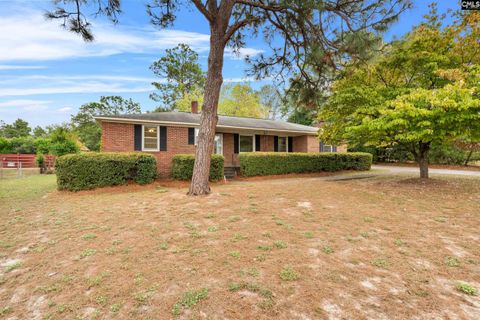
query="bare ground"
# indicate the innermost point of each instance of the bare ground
(298, 248)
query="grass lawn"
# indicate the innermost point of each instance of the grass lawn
(301, 248)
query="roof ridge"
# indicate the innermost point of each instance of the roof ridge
(225, 115)
(224, 121)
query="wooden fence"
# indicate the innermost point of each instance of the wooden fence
(24, 161)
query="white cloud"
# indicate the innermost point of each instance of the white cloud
(67, 84)
(19, 67)
(88, 77)
(242, 53)
(26, 104)
(88, 87)
(65, 109)
(27, 36)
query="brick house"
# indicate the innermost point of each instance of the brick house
(166, 134)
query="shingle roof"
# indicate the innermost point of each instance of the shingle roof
(223, 121)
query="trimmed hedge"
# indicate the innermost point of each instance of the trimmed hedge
(269, 163)
(182, 167)
(92, 170)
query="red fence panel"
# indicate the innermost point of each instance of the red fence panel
(26, 160)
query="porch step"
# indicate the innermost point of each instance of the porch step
(230, 172)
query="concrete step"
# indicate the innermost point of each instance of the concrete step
(230, 173)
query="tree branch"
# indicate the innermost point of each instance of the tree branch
(261, 5)
(238, 25)
(203, 9)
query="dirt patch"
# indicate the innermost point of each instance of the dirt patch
(296, 248)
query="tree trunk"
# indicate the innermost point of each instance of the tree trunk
(208, 118)
(422, 159)
(423, 163)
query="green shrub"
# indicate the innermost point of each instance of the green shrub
(64, 147)
(269, 163)
(40, 159)
(25, 145)
(92, 170)
(63, 142)
(385, 154)
(438, 154)
(43, 145)
(60, 144)
(450, 154)
(182, 167)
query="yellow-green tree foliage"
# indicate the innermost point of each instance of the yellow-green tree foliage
(238, 100)
(423, 89)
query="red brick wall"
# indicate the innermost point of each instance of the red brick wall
(119, 137)
(306, 144)
(177, 142)
(267, 143)
(231, 159)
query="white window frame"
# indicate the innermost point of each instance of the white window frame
(246, 135)
(143, 139)
(327, 146)
(286, 143)
(216, 134)
(195, 140)
(221, 142)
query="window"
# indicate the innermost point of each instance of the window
(151, 136)
(217, 143)
(246, 144)
(282, 144)
(327, 147)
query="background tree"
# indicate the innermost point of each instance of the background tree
(181, 74)
(63, 141)
(271, 98)
(422, 91)
(240, 100)
(85, 126)
(185, 103)
(39, 132)
(470, 145)
(296, 31)
(19, 128)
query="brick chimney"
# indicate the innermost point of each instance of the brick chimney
(194, 106)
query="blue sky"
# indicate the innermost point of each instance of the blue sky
(46, 73)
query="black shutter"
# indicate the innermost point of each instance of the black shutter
(334, 148)
(163, 138)
(275, 143)
(137, 137)
(191, 135)
(257, 142)
(290, 144)
(321, 146)
(236, 142)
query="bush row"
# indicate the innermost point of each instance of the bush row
(30, 145)
(182, 167)
(269, 163)
(91, 170)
